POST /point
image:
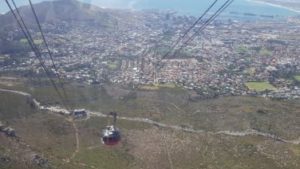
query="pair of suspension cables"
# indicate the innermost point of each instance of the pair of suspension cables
(201, 24)
(38, 54)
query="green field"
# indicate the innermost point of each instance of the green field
(265, 52)
(113, 65)
(242, 50)
(297, 78)
(2, 58)
(260, 86)
(158, 86)
(23, 40)
(36, 41)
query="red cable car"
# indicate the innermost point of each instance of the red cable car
(111, 134)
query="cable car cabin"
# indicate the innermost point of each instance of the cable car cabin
(111, 136)
(79, 114)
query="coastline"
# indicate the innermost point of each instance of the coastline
(275, 5)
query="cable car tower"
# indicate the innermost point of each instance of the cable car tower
(111, 134)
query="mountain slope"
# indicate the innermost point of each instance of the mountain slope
(63, 10)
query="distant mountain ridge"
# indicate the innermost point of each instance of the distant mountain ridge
(65, 15)
(69, 12)
(63, 10)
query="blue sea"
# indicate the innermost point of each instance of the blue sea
(189, 7)
(196, 7)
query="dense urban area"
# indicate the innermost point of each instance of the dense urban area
(231, 57)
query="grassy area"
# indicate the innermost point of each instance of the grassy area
(2, 57)
(251, 71)
(166, 85)
(23, 40)
(149, 87)
(36, 41)
(260, 86)
(171, 106)
(48, 135)
(105, 158)
(8, 81)
(158, 86)
(265, 52)
(296, 150)
(297, 78)
(113, 65)
(146, 146)
(53, 136)
(242, 50)
(13, 106)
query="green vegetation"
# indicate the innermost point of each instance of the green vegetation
(149, 87)
(23, 40)
(113, 65)
(2, 58)
(36, 41)
(158, 86)
(260, 86)
(296, 150)
(105, 158)
(169, 105)
(265, 52)
(12, 106)
(251, 71)
(147, 146)
(242, 50)
(297, 78)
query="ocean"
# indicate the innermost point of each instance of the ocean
(196, 7)
(188, 7)
(239, 9)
